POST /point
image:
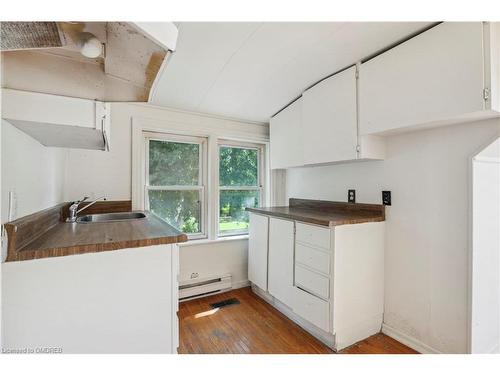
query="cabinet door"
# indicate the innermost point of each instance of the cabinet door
(329, 119)
(257, 250)
(286, 137)
(433, 77)
(281, 242)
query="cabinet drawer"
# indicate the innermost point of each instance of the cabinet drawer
(312, 282)
(313, 235)
(312, 309)
(313, 258)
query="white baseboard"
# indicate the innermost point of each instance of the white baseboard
(240, 284)
(408, 340)
(495, 350)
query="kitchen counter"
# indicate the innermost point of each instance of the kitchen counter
(42, 235)
(325, 213)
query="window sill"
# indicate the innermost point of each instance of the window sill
(205, 241)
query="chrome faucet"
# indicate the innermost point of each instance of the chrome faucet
(74, 211)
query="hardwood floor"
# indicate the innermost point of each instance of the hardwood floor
(378, 344)
(254, 326)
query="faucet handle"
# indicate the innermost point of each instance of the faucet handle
(76, 203)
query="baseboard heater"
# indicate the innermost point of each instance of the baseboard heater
(199, 288)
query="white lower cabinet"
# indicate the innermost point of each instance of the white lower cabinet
(311, 308)
(313, 282)
(109, 302)
(257, 250)
(280, 271)
(328, 280)
(316, 259)
(313, 235)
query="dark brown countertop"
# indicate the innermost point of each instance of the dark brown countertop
(61, 238)
(326, 213)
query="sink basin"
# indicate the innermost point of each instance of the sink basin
(116, 216)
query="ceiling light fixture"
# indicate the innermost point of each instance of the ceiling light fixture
(90, 46)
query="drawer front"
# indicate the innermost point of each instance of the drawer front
(313, 235)
(313, 282)
(316, 259)
(312, 309)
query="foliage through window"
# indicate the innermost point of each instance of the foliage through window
(175, 187)
(239, 187)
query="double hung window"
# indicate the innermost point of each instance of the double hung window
(240, 185)
(175, 181)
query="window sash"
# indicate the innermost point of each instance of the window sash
(258, 148)
(176, 187)
(240, 188)
(201, 204)
(178, 139)
(259, 187)
(202, 175)
(234, 232)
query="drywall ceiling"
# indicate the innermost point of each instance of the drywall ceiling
(251, 70)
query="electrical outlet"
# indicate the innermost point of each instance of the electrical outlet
(194, 275)
(351, 196)
(386, 197)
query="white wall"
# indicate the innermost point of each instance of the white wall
(427, 226)
(35, 173)
(215, 259)
(485, 327)
(109, 173)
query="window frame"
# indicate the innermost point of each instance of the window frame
(202, 177)
(261, 180)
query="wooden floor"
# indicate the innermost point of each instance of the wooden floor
(254, 326)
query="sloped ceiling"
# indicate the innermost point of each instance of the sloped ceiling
(251, 70)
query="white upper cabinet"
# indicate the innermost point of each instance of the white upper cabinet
(58, 121)
(322, 126)
(286, 137)
(447, 74)
(329, 119)
(492, 64)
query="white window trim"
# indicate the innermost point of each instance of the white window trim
(202, 181)
(261, 180)
(201, 128)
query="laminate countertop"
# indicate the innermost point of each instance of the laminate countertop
(64, 238)
(325, 213)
